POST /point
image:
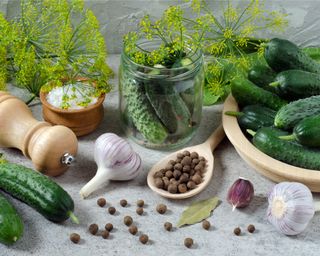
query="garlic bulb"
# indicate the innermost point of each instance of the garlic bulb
(240, 193)
(115, 159)
(290, 208)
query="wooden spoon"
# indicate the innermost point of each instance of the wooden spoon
(205, 149)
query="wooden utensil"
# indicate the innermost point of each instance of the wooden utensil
(264, 164)
(51, 148)
(205, 149)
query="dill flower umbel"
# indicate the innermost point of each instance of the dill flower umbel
(231, 36)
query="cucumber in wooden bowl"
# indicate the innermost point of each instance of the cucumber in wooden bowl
(11, 225)
(269, 167)
(38, 191)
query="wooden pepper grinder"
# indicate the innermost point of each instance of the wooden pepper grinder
(51, 148)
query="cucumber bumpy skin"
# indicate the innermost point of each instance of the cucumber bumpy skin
(267, 140)
(281, 54)
(38, 191)
(247, 93)
(11, 225)
(141, 112)
(289, 115)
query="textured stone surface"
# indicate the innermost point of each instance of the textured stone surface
(42, 237)
(117, 17)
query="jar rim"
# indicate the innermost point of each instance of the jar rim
(198, 53)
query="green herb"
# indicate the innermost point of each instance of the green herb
(2, 159)
(198, 211)
(231, 37)
(56, 41)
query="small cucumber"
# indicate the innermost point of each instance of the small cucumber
(306, 132)
(291, 114)
(282, 54)
(262, 76)
(11, 225)
(38, 191)
(267, 140)
(254, 117)
(297, 84)
(247, 93)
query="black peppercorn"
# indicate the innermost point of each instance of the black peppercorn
(167, 226)
(161, 208)
(105, 234)
(140, 203)
(75, 238)
(139, 210)
(93, 229)
(143, 239)
(206, 224)
(111, 210)
(237, 231)
(251, 228)
(108, 227)
(133, 229)
(188, 242)
(101, 202)
(123, 202)
(127, 220)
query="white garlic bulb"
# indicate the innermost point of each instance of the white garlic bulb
(290, 208)
(116, 160)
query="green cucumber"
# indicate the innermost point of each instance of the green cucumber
(247, 93)
(11, 225)
(282, 54)
(306, 132)
(254, 117)
(291, 114)
(267, 140)
(38, 191)
(141, 112)
(262, 76)
(168, 105)
(297, 84)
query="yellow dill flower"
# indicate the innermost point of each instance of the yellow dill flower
(231, 14)
(278, 21)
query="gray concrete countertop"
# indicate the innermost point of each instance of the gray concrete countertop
(42, 237)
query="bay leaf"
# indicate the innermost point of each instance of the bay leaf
(198, 211)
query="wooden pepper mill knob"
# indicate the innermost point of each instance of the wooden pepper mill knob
(51, 148)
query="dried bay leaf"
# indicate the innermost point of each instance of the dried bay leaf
(198, 211)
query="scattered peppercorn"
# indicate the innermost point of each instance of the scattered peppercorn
(105, 234)
(206, 224)
(127, 220)
(111, 210)
(168, 226)
(75, 238)
(140, 203)
(93, 229)
(133, 229)
(108, 227)
(123, 202)
(139, 210)
(143, 239)
(101, 202)
(237, 231)
(251, 228)
(161, 208)
(188, 242)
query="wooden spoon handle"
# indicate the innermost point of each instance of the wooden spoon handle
(215, 138)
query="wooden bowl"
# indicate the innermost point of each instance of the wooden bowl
(80, 121)
(264, 164)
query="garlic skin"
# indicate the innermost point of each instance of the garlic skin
(115, 159)
(290, 207)
(240, 194)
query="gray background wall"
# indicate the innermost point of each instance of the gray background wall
(120, 16)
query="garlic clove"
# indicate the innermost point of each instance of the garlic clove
(290, 207)
(240, 193)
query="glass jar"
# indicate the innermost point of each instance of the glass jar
(160, 107)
